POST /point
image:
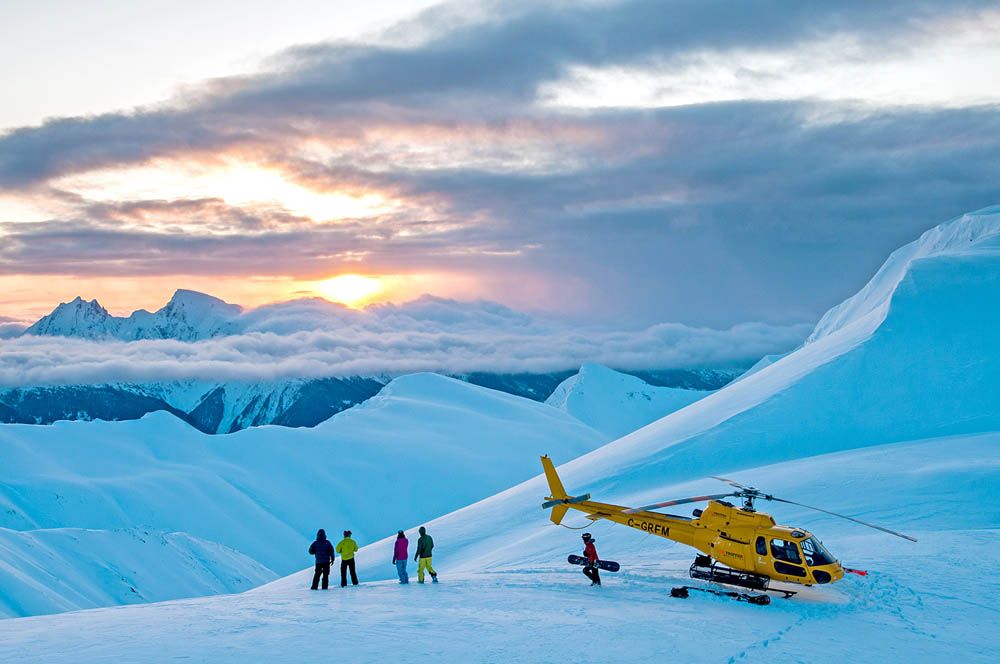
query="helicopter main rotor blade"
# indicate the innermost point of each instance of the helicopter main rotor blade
(679, 501)
(843, 516)
(729, 482)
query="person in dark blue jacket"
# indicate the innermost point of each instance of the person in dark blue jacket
(322, 548)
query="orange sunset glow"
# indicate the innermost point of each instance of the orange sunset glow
(354, 290)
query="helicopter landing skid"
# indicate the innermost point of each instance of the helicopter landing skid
(760, 600)
(706, 569)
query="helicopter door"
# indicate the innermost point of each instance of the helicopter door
(787, 559)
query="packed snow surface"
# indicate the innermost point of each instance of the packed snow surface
(513, 599)
(616, 403)
(63, 569)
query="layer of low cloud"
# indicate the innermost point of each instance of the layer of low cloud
(313, 338)
(11, 327)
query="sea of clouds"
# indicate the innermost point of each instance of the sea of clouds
(314, 338)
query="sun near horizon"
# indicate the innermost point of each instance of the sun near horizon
(352, 290)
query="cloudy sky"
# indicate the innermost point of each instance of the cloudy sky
(628, 163)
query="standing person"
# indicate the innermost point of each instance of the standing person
(400, 553)
(425, 545)
(322, 548)
(590, 553)
(346, 549)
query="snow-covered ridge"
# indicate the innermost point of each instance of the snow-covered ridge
(977, 231)
(617, 403)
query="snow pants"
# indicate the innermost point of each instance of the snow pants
(322, 569)
(401, 571)
(344, 566)
(593, 574)
(425, 564)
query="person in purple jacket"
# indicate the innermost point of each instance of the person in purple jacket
(399, 556)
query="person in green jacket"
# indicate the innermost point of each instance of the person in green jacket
(346, 549)
(425, 545)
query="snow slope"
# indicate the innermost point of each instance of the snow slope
(617, 403)
(64, 569)
(424, 446)
(921, 602)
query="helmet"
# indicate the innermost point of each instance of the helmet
(347, 533)
(586, 536)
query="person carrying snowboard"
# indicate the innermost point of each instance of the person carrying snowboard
(322, 548)
(590, 553)
(400, 553)
(425, 545)
(346, 548)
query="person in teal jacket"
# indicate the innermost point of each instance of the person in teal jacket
(425, 545)
(347, 548)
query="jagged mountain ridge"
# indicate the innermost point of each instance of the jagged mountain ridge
(188, 316)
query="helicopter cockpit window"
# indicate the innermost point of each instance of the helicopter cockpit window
(814, 552)
(761, 546)
(787, 551)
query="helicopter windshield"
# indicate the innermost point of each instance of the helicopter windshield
(814, 552)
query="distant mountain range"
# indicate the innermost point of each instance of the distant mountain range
(188, 316)
(226, 406)
(231, 406)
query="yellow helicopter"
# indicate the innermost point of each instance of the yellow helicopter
(742, 547)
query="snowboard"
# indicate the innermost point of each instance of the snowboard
(606, 565)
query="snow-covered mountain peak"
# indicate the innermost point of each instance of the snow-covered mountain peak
(977, 232)
(188, 316)
(196, 302)
(78, 317)
(616, 403)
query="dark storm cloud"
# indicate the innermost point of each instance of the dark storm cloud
(483, 68)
